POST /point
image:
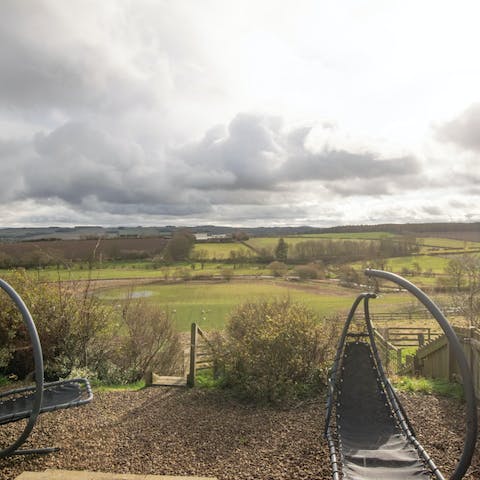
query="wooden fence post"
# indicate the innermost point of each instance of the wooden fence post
(193, 356)
(399, 359)
(148, 377)
(470, 347)
(451, 363)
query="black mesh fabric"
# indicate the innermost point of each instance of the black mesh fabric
(17, 408)
(372, 446)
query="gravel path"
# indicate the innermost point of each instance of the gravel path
(194, 432)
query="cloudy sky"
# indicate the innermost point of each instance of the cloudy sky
(271, 112)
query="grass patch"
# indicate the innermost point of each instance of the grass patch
(133, 387)
(221, 250)
(408, 351)
(434, 262)
(125, 270)
(205, 379)
(349, 236)
(430, 386)
(447, 243)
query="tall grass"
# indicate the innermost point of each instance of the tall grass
(430, 386)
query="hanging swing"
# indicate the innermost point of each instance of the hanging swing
(367, 430)
(30, 402)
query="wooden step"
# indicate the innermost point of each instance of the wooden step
(163, 381)
(76, 475)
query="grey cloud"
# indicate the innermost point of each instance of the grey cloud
(433, 210)
(463, 131)
(244, 157)
(14, 156)
(253, 163)
(48, 64)
(241, 197)
(192, 205)
(360, 187)
(91, 170)
(255, 153)
(344, 165)
(76, 160)
(267, 213)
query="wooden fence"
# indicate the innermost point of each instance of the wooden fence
(198, 356)
(435, 359)
(390, 355)
(396, 316)
(200, 353)
(409, 336)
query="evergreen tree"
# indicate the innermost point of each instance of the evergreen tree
(281, 250)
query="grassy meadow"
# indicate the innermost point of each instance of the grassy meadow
(135, 270)
(447, 243)
(219, 250)
(346, 236)
(209, 304)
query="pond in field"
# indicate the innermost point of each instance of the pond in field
(210, 304)
(141, 293)
(121, 295)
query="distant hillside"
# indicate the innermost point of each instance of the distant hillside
(461, 231)
(80, 233)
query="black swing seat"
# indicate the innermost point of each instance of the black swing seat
(373, 445)
(17, 404)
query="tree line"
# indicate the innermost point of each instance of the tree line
(334, 251)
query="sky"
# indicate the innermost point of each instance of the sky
(244, 113)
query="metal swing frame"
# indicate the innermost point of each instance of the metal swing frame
(395, 405)
(36, 391)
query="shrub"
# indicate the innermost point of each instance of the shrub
(77, 332)
(67, 321)
(348, 276)
(274, 351)
(148, 342)
(227, 274)
(278, 269)
(310, 271)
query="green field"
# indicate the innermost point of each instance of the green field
(221, 251)
(218, 255)
(427, 244)
(140, 270)
(347, 236)
(434, 262)
(210, 303)
(271, 242)
(446, 245)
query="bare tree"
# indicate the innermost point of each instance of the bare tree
(464, 279)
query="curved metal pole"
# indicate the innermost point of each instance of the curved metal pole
(471, 403)
(38, 358)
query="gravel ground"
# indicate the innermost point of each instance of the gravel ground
(193, 432)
